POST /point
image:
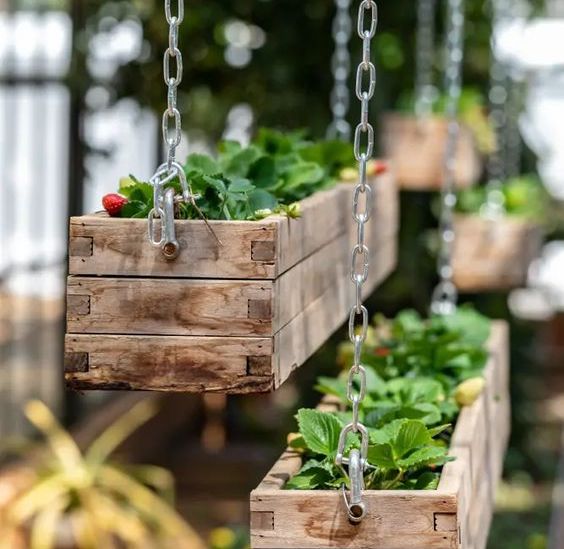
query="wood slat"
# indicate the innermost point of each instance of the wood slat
(416, 151)
(493, 255)
(456, 515)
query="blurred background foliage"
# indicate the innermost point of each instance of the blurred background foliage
(275, 57)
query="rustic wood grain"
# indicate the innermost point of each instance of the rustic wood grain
(180, 332)
(416, 151)
(493, 255)
(456, 515)
(168, 363)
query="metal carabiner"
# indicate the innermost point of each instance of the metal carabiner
(170, 245)
(355, 506)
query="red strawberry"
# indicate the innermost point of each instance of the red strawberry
(382, 351)
(377, 167)
(113, 203)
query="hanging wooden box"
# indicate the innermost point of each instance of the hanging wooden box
(492, 255)
(416, 149)
(456, 515)
(237, 317)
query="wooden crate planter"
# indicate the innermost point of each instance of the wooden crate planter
(456, 515)
(237, 317)
(493, 255)
(416, 149)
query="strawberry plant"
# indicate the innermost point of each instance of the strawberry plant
(246, 183)
(418, 375)
(522, 196)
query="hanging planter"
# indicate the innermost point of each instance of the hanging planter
(416, 149)
(455, 514)
(242, 305)
(495, 253)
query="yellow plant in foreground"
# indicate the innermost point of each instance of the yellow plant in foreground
(97, 504)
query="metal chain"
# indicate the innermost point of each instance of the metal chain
(341, 68)
(164, 198)
(498, 95)
(360, 260)
(513, 142)
(425, 91)
(445, 295)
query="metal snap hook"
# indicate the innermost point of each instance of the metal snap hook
(355, 506)
(170, 246)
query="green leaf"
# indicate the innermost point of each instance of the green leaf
(240, 163)
(305, 172)
(202, 164)
(332, 386)
(259, 199)
(240, 185)
(135, 209)
(428, 455)
(311, 476)
(141, 192)
(411, 435)
(427, 481)
(320, 430)
(263, 173)
(388, 433)
(433, 432)
(381, 455)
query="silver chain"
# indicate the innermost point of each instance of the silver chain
(513, 142)
(498, 95)
(445, 295)
(425, 91)
(341, 68)
(360, 260)
(164, 198)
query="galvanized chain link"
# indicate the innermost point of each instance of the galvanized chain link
(513, 141)
(445, 295)
(341, 68)
(164, 198)
(498, 95)
(360, 261)
(425, 91)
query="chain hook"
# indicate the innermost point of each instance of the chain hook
(355, 506)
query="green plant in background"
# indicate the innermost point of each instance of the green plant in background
(471, 111)
(268, 176)
(523, 196)
(91, 501)
(418, 375)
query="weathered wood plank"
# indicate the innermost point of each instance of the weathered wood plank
(493, 255)
(298, 340)
(444, 518)
(416, 151)
(169, 306)
(168, 363)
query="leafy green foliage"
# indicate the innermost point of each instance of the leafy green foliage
(249, 183)
(413, 367)
(523, 197)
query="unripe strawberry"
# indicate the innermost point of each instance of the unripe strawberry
(348, 175)
(113, 203)
(468, 391)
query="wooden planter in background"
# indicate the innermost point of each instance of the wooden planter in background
(237, 317)
(456, 515)
(493, 255)
(416, 150)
